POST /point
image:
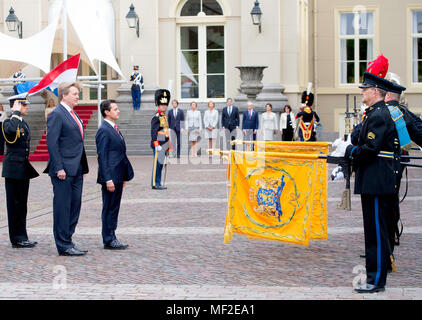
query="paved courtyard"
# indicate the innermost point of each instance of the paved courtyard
(177, 251)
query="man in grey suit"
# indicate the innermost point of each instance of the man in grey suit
(66, 166)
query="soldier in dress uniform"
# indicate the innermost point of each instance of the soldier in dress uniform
(17, 172)
(159, 137)
(137, 87)
(376, 162)
(414, 130)
(307, 118)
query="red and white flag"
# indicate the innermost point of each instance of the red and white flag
(67, 71)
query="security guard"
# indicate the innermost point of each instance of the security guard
(376, 161)
(17, 172)
(308, 118)
(159, 137)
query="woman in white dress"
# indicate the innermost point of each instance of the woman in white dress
(287, 124)
(193, 126)
(268, 123)
(210, 124)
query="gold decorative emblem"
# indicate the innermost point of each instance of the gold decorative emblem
(371, 135)
(163, 100)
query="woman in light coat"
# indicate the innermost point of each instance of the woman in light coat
(268, 123)
(193, 126)
(287, 124)
(210, 124)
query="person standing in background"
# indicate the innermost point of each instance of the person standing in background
(193, 125)
(269, 123)
(49, 107)
(174, 117)
(287, 124)
(210, 124)
(137, 87)
(250, 124)
(230, 121)
(17, 75)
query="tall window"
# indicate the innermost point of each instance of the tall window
(195, 7)
(356, 45)
(202, 55)
(417, 46)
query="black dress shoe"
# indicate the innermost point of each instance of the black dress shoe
(159, 188)
(82, 250)
(369, 288)
(72, 252)
(24, 244)
(115, 245)
(363, 256)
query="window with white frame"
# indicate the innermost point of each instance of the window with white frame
(356, 45)
(417, 47)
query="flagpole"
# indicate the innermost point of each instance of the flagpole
(99, 93)
(64, 21)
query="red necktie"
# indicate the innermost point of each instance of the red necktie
(78, 123)
(117, 130)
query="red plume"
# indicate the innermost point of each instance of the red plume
(379, 66)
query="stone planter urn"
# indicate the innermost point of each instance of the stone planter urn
(251, 77)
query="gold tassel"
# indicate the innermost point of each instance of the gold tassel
(228, 233)
(393, 265)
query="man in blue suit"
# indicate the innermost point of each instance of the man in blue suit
(250, 123)
(66, 166)
(230, 120)
(114, 169)
(174, 117)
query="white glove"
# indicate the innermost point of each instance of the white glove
(337, 174)
(340, 147)
(158, 148)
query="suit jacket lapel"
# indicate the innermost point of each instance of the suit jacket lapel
(70, 118)
(115, 134)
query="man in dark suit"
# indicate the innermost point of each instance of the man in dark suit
(17, 172)
(250, 123)
(230, 120)
(174, 117)
(114, 169)
(66, 166)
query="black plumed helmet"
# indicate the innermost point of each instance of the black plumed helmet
(307, 99)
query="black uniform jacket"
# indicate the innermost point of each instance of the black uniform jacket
(159, 124)
(413, 122)
(16, 161)
(307, 117)
(376, 157)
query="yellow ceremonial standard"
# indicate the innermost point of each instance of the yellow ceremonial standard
(272, 196)
(319, 220)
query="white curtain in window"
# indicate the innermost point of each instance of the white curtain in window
(343, 63)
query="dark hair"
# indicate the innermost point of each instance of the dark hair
(288, 106)
(106, 105)
(269, 104)
(175, 100)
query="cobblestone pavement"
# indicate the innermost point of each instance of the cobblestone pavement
(177, 251)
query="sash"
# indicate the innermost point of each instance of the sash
(307, 129)
(400, 124)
